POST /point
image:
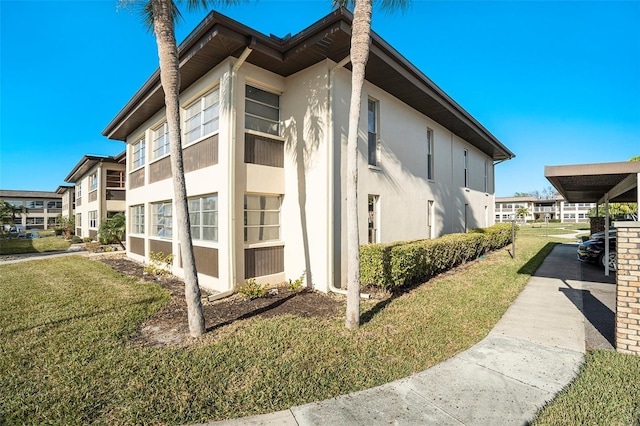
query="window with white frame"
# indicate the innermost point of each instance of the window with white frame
(35, 204)
(372, 141)
(486, 176)
(261, 218)
(93, 219)
(201, 117)
(160, 138)
(35, 221)
(430, 158)
(138, 154)
(137, 219)
(466, 169)
(261, 111)
(54, 204)
(79, 220)
(79, 191)
(161, 217)
(373, 201)
(93, 182)
(203, 215)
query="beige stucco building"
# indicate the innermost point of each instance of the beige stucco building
(42, 207)
(556, 208)
(100, 191)
(264, 124)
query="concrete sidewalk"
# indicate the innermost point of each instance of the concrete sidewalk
(532, 353)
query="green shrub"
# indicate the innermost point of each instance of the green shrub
(159, 264)
(252, 290)
(295, 285)
(75, 239)
(407, 262)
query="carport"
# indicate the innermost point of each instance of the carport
(604, 183)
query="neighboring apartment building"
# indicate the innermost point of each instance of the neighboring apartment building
(68, 194)
(264, 124)
(540, 209)
(100, 191)
(43, 207)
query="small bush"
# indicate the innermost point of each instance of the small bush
(159, 264)
(87, 239)
(295, 285)
(252, 290)
(93, 247)
(75, 239)
(407, 262)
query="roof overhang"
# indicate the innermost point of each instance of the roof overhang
(596, 183)
(88, 162)
(218, 37)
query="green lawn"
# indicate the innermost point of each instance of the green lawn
(33, 245)
(66, 357)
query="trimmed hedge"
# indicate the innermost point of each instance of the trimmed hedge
(402, 263)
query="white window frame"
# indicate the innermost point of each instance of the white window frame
(79, 190)
(93, 219)
(195, 115)
(466, 170)
(430, 155)
(486, 176)
(252, 101)
(197, 215)
(373, 132)
(138, 154)
(93, 182)
(79, 220)
(248, 226)
(160, 141)
(373, 219)
(137, 219)
(162, 219)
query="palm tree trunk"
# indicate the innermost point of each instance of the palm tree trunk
(360, 31)
(170, 80)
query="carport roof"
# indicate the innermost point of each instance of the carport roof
(590, 183)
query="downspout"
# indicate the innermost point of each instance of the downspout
(330, 183)
(231, 243)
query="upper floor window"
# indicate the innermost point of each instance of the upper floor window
(79, 190)
(54, 204)
(486, 176)
(138, 154)
(466, 168)
(78, 219)
(115, 179)
(372, 118)
(262, 111)
(93, 181)
(203, 215)
(160, 138)
(201, 117)
(261, 218)
(161, 219)
(429, 154)
(35, 204)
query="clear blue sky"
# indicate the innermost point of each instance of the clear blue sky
(556, 82)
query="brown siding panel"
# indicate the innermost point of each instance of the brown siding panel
(264, 151)
(136, 245)
(263, 261)
(200, 155)
(164, 247)
(93, 196)
(160, 170)
(136, 179)
(93, 233)
(206, 260)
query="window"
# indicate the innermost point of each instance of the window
(262, 111)
(35, 221)
(430, 220)
(79, 190)
(429, 154)
(138, 154)
(115, 179)
(486, 176)
(93, 219)
(203, 215)
(201, 117)
(261, 218)
(17, 221)
(137, 219)
(372, 118)
(161, 217)
(466, 169)
(373, 219)
(15, 203)
(52, 221)
(93, 182)
(78, 220)
(37, 204)
(54, 204)
(160, 141)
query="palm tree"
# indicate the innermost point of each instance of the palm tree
(112, 229)
(161, 15)
(360, 35)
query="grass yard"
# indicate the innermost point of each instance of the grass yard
(67, 358)
(33, 245)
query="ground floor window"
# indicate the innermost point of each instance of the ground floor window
(52, 221)
(261, 218)
(93, 219)
(203, 215)
(35, 221)
(137, 219)
(161, 219)
(373, 202)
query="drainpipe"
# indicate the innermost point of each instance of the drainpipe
(233, 69)
(330, 183)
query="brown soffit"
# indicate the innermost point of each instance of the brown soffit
(589, 183)
(87, 162)
(218, 37)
